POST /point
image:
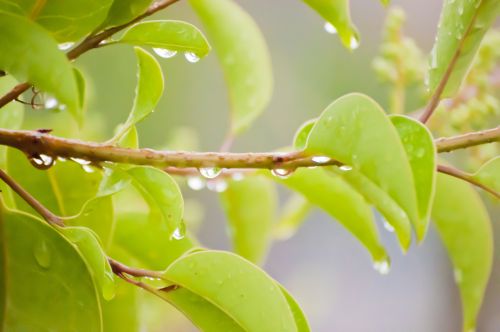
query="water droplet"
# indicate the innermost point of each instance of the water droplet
(217, 186)
(282, 173)
(179, 232)
(237, 176)
(354, 42)
(191, 57)
(42, 161)
(457, 275)
(345, 168)
(195, 183)
(330, 28)
(50, 103)
(320, 159)
(88, 168)
(382, 267)
(65, 46)
(210, 172)
(81, 161)
(61, 159)
(388, 226)
(42, 254)
(164, 53)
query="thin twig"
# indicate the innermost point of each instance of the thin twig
(466, 177)
(87, 44)
(436, 96)
(447, 144)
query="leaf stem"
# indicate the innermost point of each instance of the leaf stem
(91, 42)
(466, 177)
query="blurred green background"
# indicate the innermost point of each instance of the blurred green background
(329, 273)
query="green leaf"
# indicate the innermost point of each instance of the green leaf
(123, 311)
(123, 11)
(293, 214)
(204, 315)
(301, 135)
(40, 265)
(337, 13)
(148, 92)
(250, 205)
(44, 65)
(90, 248)
(82, 88)
(242, 290)
(244, 57)
(489, 174)
(461, 28)
(463, 224)
(355, 131)
(172, 36)
(421, 151)
(298, 314)
(329, 192)
(162, 194)
(66, 20)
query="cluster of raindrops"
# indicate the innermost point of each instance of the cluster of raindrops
(167, 54)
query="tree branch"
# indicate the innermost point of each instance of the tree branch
(466, 177)
(35, 143)
(87, 44)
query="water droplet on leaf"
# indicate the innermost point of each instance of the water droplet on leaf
(191, 57)
(353, 42)
(164, 53)
(345, 168)
(50, 103)
(65, 46)
(383, 267)
(330, 28)
(388, 227)
(42, 254)
(179, 232)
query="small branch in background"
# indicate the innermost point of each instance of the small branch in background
(466, 177)
(436, 96)
(87, 44)
(447, 144)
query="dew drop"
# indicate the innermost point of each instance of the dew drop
(382, 267)
(88, 168)
(179, 232)
(345, 168)
(50, 103)
(81, 161)
(282, 173)
(210, 172)
(191, 57)
(388, 227)
(65, 46)
(330, 28)
(195, 183)
(42, 254)
(237, 176)
(353, 43)
(164, 53)
(217, 186)
(320, 159)
(62, 159)
(42, 161)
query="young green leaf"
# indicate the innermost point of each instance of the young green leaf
(293, 214)
(461, 28)
(44, 65)
(82, 88)
(463, 224)
(298, 314)
(421, 151)
(68, 21)
(167, 36)
(355, 131)
(338, 20)
(342, 202)
(237, 287)
(87, 243)
(205, 316)
(40, 265)
(148, 92)
(162, 194)
(250, 206)
(244, 56)
(123, 11)
(301, 135)
(489, 174)
(122, 313)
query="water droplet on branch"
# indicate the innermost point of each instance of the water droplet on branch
(42, 254)
(320, 159)
(282, 172)
(164, 53)
(210, 172)
(42, 161)
(65, 46)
